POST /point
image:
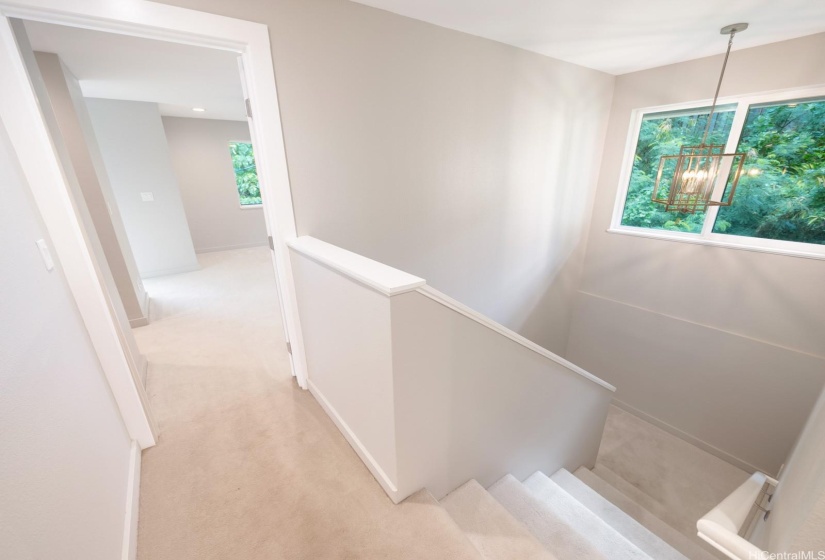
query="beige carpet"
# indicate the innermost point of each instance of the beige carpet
(248, 466)
(674, 480)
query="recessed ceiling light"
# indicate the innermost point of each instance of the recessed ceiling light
(198, 109)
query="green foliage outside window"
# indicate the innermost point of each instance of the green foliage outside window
(782, 193)
(665, 135)
(246, 176)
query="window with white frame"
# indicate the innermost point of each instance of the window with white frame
(779, 202)
(246, 174)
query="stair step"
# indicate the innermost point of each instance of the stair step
(684, 544)
(655, 507)
(601, 535)
(624, 524)
(639, 496)
(551, 529)
(490, 527)
(444, 538)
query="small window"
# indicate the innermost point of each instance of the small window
(246, 176)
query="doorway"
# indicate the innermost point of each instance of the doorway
(155, 136)
(101, 310)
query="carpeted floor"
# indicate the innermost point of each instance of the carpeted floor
(676, 481)
(248, 466)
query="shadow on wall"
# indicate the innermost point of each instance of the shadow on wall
(544, 315)
(746, 397)
(467, 162)
(509, 238)
(714, 284)
(796, 519)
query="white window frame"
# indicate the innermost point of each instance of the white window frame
(706, 236)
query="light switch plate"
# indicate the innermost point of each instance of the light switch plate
(45, 254)
(147, 197)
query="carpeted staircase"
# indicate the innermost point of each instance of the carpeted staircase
(564, 517)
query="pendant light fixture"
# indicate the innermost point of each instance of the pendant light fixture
(697, 167)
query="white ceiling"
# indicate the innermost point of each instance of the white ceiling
(619, 36)
(176, 77)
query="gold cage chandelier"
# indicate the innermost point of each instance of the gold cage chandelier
(697, 167)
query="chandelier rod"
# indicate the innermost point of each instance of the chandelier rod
(718, 87)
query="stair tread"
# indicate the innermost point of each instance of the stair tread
(635, 493)
(445, 535)
(583, 520)
(549, 528)
(651, 520)
(623, 523)
(490, 527)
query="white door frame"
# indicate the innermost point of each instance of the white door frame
(21, 115)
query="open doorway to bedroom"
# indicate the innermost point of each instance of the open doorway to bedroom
(154, 141)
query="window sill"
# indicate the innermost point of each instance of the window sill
(735, 242)
(251, 206)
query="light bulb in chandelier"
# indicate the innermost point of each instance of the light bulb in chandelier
(692, 180)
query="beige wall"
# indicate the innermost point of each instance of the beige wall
(70, 110)
(65, 459)
(203, 166)
(470, 404)
(458, 159)
(428, 395)
(138, 361)
(798, 513)
(470, 163)
(348, 339)
(136, 155)
(726, 306)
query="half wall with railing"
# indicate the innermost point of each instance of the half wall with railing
(428, 392)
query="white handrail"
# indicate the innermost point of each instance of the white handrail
(391, 281)
(512, 335)
(720, 526)
(373, 274)
(383, 347)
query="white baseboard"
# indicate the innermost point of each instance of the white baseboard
(139, 322)
(230, 247)
(130, 524)
(143, 320)
(693, 440)
(144, 305)
(356, 444)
